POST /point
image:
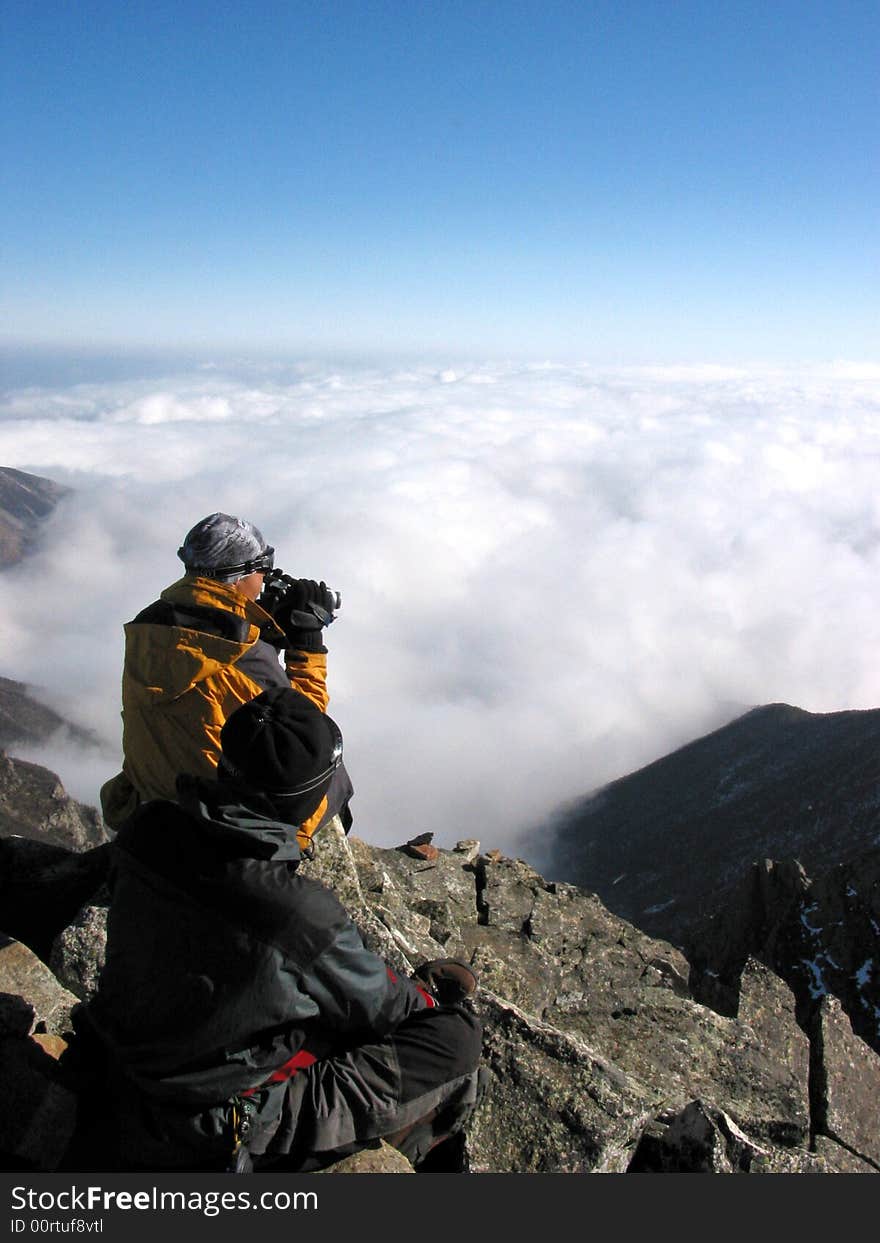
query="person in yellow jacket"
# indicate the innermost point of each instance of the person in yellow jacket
(205, 647)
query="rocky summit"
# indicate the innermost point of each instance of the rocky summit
(599, 1055)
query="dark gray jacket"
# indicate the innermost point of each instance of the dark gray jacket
(222, 963)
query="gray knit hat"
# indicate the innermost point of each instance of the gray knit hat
(225, 548)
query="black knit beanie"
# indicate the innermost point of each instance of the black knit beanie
(282, 746)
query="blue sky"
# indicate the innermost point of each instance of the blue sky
(611, 182)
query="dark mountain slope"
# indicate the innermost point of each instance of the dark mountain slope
(665, 847)
(23, 719)
(25, 501)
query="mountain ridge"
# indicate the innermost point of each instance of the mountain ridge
(26, 501)
(671, 841)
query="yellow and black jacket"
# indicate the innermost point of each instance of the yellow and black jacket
(191, 658)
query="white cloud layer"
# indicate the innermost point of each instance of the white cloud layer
(550, 576)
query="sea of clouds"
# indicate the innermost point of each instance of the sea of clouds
(550, 575)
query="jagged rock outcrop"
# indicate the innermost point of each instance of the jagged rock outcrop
(846, 1084)
(23, 975)
(554, 1105)
(567, 984)
(77, 954)
(598, 1056)
(25, 502)
(821, 936)
(33, 804)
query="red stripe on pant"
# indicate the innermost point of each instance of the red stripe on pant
(299, 1061)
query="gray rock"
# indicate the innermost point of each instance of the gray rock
(514, 968)
(846, 1084)
(334, 865)
(827, 1157)
(767, 1008)
(591, 974)
(378, 1158)
(840, 1160)
(508, 890)
(33, 804)
(578, 976)
(552, 1104)
(78, 952)
(701, 1139)
(24, 975)
(443, 891)
(688, 1052)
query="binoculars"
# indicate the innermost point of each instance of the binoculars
(299, 593)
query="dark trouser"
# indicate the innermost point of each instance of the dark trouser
(413, 1088)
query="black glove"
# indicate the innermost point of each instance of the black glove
(301, 608)
(450, 981)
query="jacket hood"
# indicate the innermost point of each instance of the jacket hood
(193, 589)
(261, 835)
(165, 661)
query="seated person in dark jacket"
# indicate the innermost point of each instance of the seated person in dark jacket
(243, 1015)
